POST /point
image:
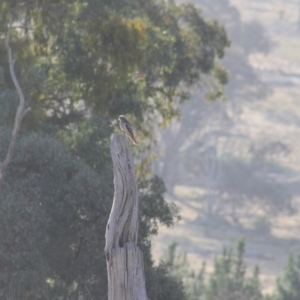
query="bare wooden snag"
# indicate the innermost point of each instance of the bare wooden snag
(125, 265)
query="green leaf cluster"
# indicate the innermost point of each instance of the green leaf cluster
(227, 281)
(80, 65)
(288, 285)
(110, 58)
(54, 209)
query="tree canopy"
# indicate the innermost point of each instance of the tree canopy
(109, 58)
(80, 65)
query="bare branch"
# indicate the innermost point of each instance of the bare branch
(21, 112)
(27, 110)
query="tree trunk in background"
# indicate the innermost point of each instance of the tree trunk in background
(21, 112)
(125, 266)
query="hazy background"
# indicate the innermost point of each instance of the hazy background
(221, 155)
(233, 166)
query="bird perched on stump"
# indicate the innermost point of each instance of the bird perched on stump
(127, 128)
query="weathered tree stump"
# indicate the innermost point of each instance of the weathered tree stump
(125, 265)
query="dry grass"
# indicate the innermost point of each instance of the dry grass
(269, 251)
(274, 118)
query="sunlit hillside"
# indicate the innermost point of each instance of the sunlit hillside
(276, 118)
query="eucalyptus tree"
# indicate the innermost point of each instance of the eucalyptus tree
(81, 64)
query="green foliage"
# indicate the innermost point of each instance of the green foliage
(80, 65)
(54, 210)
(177, 262)
(111, 57)
(228, 280)
(180, 268)
(168, 282)
(288, 285)
(196, 147)
(153, 210)
(93, 135)
(153, 207)
(197, 284)
(165, 286)
(8, 102)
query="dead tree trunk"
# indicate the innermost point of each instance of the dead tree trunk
(125, 265)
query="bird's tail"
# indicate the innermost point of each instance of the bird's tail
(132, 138)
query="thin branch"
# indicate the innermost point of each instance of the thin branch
(21, 112)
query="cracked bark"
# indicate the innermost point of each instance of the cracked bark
(125, 265)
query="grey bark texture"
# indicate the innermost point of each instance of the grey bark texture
(125, 265)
